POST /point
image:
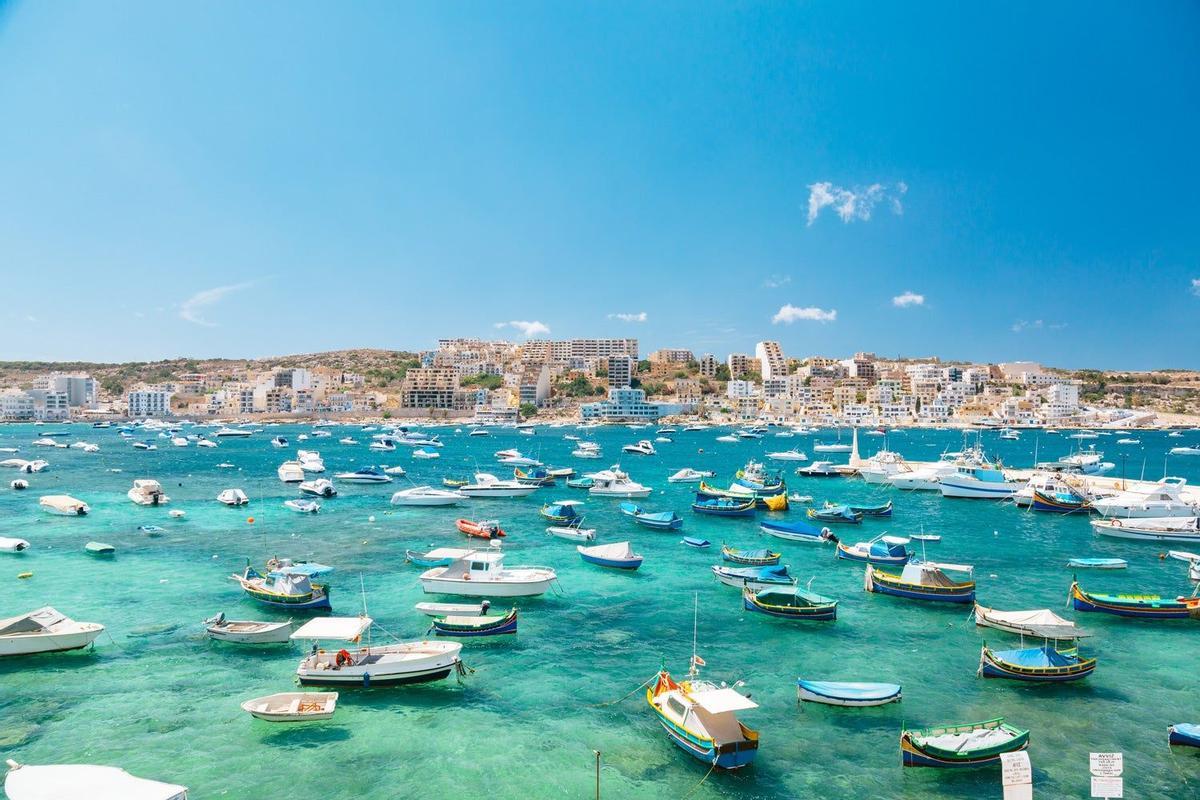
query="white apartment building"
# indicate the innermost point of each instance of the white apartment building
(149, 403)
(738, 389)
(81, 390)
(15, 406)
(771, 362)
(621, 369)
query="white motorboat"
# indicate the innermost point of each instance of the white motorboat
(18, 484)
(37, 465)
(45, 631)
(321, 487)
(643, 448)
(179, 441)
(572, 534)
(1129, 441)
(1084, 462)
(382, 445)
(373, 665)
(453, 609)
(9, 544)
(396, 470)
(279, 441)
(364, 475)
(727, 438)
(515, 458)
(310, 460)
(247, 631)
(831, 448)
(233, 433)
(233, 497)
(64, 504)
(146, 492)
(881, 466)
(819, 469)
(321, 434)
(1161, 499)
(480, 432)
(292, 706)
(586, 452)
(483, 574)
(689, 475)
(348, 440)
(79, 781)
(45, 443)
(788, 455)
(426, 496)
(302, 506)
(144, 446)
(612, 482)
(177, 513)
(487, 485)
(976, 478)
(205, 443)
(426, 454)
(1185, 451)
(1152, 529)
(290, 472)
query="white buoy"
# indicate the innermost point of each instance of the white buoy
(371, 518)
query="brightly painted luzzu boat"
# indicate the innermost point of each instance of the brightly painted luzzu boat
(701, 719)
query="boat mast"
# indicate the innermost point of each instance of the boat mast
(692, 671)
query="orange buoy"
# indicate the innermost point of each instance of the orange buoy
(249, 520)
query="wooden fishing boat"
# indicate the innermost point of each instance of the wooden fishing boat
(843, 693)
(790, 602)
(481, 529)
(883, 549)
(1045, 664)
(618, 555)
(926, 537)
(580, 483)
(563, 512)
(796, 531)
(247, 631)
(1064, 501)
(571, 533)
(884, 510)
(100, 549)
(292, 706)
(1025, 623)
(1098, 563)
(700, 718)
(449, 609)
(751, 558)
(769, 499)
(699, 544)
(659, 520)
(922, 581)
(283, 588)
(1141, 606)
(1184, 734)
(835, 513)
(425, 561)
(483, 625)
(537, 476)
(973, 744)
(724, 507)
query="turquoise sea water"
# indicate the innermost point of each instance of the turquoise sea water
(161, 700)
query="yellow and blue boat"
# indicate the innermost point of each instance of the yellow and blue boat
(700, 718)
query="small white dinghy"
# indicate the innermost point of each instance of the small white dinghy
(68, 781)
(12, 545)
(453, 609)
(248, 631)
(572, 534)
(292, 706)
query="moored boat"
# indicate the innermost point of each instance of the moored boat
(480, 529)
(64, 505)
(847, 693)
(883, 549)
(835, 514)
(1141, 606)
(390, 664)
(701, 719)
(1045, 664)
(790, 602)
(45, 630)
(292, 706)
(618, 555)
(483, 574)
(77, 781)
(724, 507)
(572, 533)
(922, 581)
(1184, 734)
(972, 744)
(463, 626)
(247, 631)
(796, 531)
(751, 558)
(754, 577)
(1097, 563)
(285, 587)
(11, 544)
(659, 520)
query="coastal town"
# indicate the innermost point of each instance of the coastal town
(602, 380)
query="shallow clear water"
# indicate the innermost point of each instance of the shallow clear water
(158, 698)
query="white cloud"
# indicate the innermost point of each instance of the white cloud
(776, 281)
(192, 308)
(1196, 286)
(854, 204)
(790, 313)
(30, 318)
(1025, 325)
(528, 328)
(638, 317)
(907, 299)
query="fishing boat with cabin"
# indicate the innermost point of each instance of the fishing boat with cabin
(923, 581)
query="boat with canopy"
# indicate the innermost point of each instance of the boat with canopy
(883, 549)
(790, 602)
(750, 558)
(72, 781)
(288, 586)
(796, 531)
(658, 520)
(925, 580)
(370, 665)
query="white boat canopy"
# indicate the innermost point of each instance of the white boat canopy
(85, 780)
(720, 701)
(346, 629)
(33, 622)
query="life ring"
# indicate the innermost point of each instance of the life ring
(1116, 523)
(343, 658)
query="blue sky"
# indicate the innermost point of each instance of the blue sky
(245, 179)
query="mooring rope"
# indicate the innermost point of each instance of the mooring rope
(625, 696)
(702, 780)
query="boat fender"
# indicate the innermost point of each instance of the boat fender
(466, 576)
(343, 658)
(366, 680)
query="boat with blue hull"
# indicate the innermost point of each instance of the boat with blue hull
(883, 549)
(754, 577)
(1045, 664)
(1138, 606)
(563, 512)
(796, 531)
(1184, 734)
(835, 513)
(723, 507)
(284, 588)
(922, 581)
(659, 520)
(846, 693)
(881, 510)
(476, 626)
(750, 558)
(618, 555)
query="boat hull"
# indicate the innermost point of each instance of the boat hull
(831, 693)
(879, 584)
(48, 643)
(971, 490)
(992, 667)
(485, 588)
(1144, 608)
(1116, 529)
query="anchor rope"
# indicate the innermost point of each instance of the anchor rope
(643, 685)
(702, 780)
